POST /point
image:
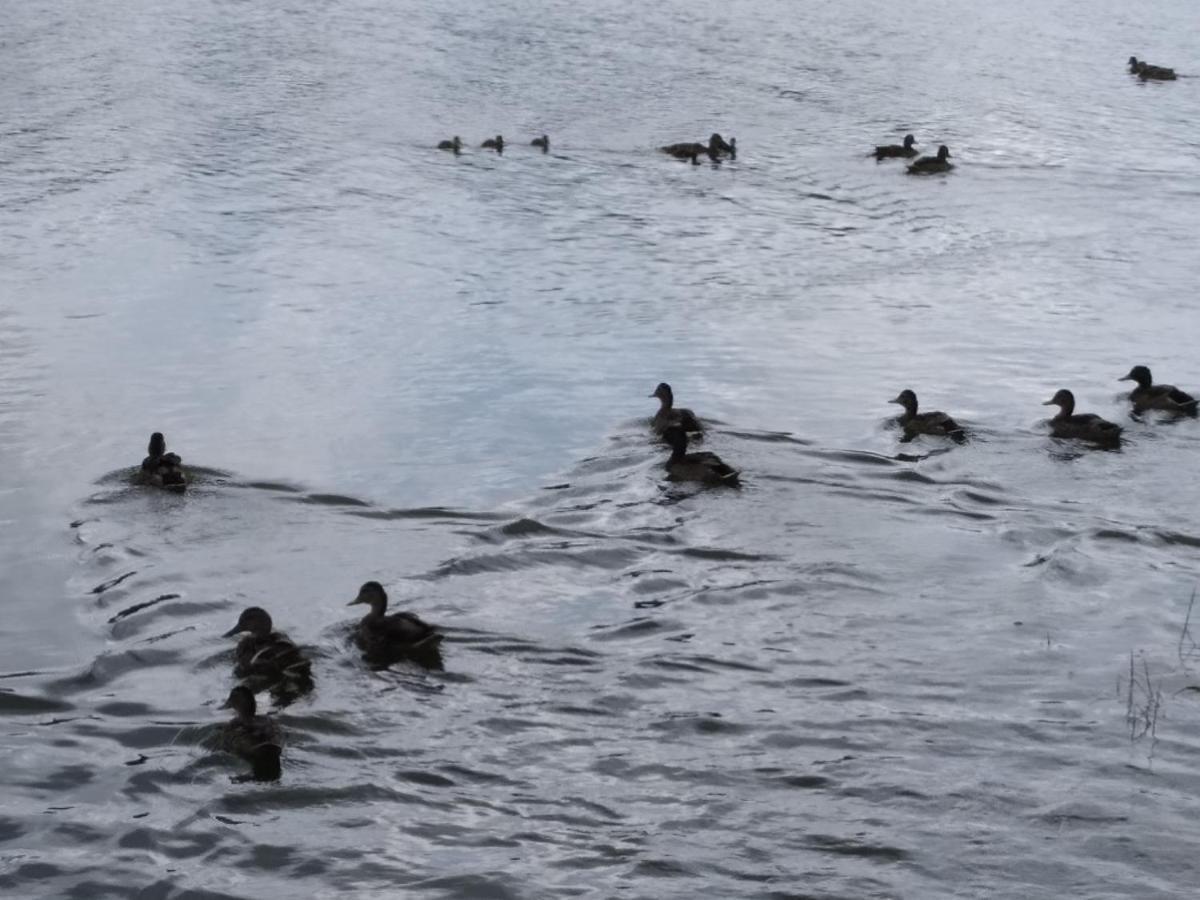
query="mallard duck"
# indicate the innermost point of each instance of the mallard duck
(256, 739)
(160, 468)
(543, 142)
(1087, 426)
(1145, 71)
(931, 165)
(496, 143)
(891, 151)
(267, 659)
(398, 635)
(455, 145)
(692, 149)
(668, 415)
(1148, 395)
(703, 467)
(935, 423)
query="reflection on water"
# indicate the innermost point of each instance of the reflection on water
(880, 669)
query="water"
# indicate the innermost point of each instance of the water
(875, 672)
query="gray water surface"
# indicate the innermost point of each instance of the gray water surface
(880, 670)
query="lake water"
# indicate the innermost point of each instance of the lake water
(877, 671)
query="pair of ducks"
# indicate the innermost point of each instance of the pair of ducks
(160, 468)
(454, 145)
(1146, 396)
(674, 425)
(926, 165)
(266, 659)
(716, 147)
(1147, 72)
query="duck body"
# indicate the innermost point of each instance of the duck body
(543, 142)
(1166, 397)
(932, 423)
(690, 151)
(496, 143)
(1147, 72)
(254, 738)
(1082, 426)
(160, 468)
(704, 467)
(386, 638)
(266, 659)
(454, 146)
(669, 415)
(893, 151)
(932, 165)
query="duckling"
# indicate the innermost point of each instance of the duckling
(1087, 426)
(496, 143)
(718, 145)
(543, 142)
(267, 659)
(455, 145)
(705, 467)
(891, 151)
(1148, 395)
(931, 165)
(396, 636)
(935, 423)
(256, 739)
(160, 468)
(668, 415)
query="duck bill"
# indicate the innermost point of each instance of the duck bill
(1048, 403)
(357, 600)
(1126, 378)
(896, 400)
(236, 629)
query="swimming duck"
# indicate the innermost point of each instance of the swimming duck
(705, 467)
(1087, 426)
(256, 739)
(930, 165)
(891, 151)
(693, 149)
(718, 145)
(1146, 71)
(267, 659)
(935, 423)
(668, 415)
(1148, 395)
(543, 142)
(160, 468)
(496, 143)
(396, 636)
(454, 146)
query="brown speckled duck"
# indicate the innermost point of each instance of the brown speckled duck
(892, 151)
(268, 660)
(1165, 397)
(385, 638)
(669, 415)
(256, 739)
(160, 468)
(933, 423)
(707, 468)
(1083, 426)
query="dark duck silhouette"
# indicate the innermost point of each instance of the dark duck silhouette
(543, 142)
(669, 415)
(1083, 426)
(707, 468)
(389, 638)
(1147, 72)
(455, 145)
(693, 149)
(496, 143)
(267, 660)
(934, 423)
(892, 151)
(256, 739)
(932, 165)
(160, 468)
(1166, 397)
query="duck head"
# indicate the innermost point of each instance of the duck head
(456, 143)
(908, 400)
(1064, 400)
(943, 153)
(373, 595)
(718, 144)
(664, 394)
(1134, 65)
(499, 142)
(909, 140)
(241, 701)
(676, 439)
(158, 444)
(1141, 375)
(255, 620)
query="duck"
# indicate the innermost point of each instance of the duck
(930, 165)
(693, 149)
(719, 145)
(934, 423)
(1167, 397)
(543, 142)
(1086, 426)
(160, 468)
(454, 145)
(668, 415)
(891, 151)
(1145, 71)
(266, 659)
(256, 739)
(707, 468)
(496, 143)
(399, 635)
